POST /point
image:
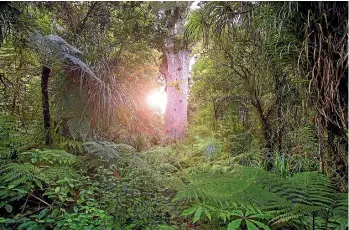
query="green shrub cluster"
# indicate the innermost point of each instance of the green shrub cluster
(108, 187)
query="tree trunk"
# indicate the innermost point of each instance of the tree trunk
(177, 76)
(267, 132)
(269, 145)
(45, 104)
(313, 222)
(337, 156)
(177, 91)
(321, 157)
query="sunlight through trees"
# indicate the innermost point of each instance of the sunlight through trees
(174, 115)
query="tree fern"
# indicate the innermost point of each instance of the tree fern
(53, 48)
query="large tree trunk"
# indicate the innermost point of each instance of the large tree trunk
(45, 104)
(177, 75)
(177, 91)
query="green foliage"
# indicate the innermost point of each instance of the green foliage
(248, 218)
(81, 218)
(49, 157)
(311, 195)
(12, 138)
(25, 183)
(17, 181)
(134, 188)
(302, 150)
(127, 194)
(293, 200)
(251, 96)
(72, 146)
(106, 153)
(136, 199)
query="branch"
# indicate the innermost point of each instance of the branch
(84, 20)
(41, 200)
(26, 201)
(3, 80)
(240, 98)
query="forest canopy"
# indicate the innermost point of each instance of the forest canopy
(174, 115)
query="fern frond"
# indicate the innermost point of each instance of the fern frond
(291, 200)
(13, 171)
(107, 153)
(101, 149)
(237, 187)
(18, 180)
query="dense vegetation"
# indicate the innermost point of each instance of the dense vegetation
(265, 146)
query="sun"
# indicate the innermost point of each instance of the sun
(157, 100)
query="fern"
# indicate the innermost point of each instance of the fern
(23, 180)
(297, 200)
(226, 188)
(12, 138)
(16, 181)
(104, 153)
(311, 195)
(101, 149)
(14, 171)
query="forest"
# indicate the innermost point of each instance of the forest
(163, 115)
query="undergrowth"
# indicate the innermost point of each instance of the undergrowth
(196, 185)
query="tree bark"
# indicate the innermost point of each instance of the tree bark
(45, 104)
(267, 132)
(177, 76)
(337, 156)
(177, 90)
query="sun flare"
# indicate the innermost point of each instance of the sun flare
(157, 100)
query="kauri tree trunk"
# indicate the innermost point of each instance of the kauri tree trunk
(45, 104)
(177, 90)
(177, 74)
